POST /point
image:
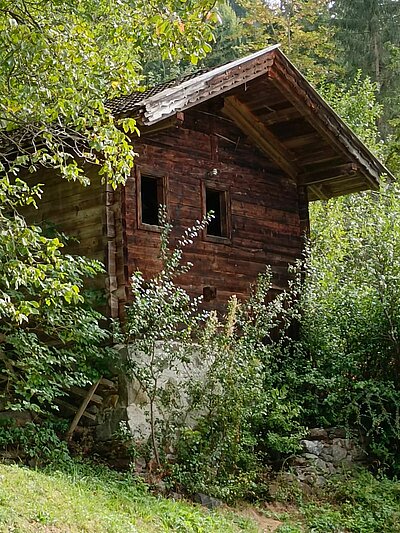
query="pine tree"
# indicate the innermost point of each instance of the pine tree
(368, 32)
(303, 29)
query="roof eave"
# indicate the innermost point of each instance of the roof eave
(272, 62)
(284, 72)
(206, 86)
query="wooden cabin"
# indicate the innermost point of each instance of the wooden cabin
(250, 140)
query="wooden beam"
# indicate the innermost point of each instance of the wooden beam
(82, 409)
(319, 156)
(277, 117)
(299, 142)
(259, 134)
(108, 383)
(72, 408)
(77, 391)
(327, 126)
(172, 122)
(318, 192)
(320, 176)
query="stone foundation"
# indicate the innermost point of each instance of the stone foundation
(133, 403)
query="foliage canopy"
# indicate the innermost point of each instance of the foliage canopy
(60, 62)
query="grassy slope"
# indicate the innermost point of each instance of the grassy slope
(98, 500)
(84, 498)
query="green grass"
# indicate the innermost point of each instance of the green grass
(82, 498)
(359, 504)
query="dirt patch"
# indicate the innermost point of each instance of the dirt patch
(278, 507)
(265, 524)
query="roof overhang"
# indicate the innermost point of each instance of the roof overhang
(350, 167)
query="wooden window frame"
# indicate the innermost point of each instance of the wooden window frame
(162, 183)
(225, 211)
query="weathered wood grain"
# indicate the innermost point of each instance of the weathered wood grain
(265, 208)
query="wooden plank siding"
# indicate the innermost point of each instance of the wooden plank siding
(74, 209)
(269, 212)
(77, 211)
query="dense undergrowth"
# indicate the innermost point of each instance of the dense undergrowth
(261, 387)
(356, 503)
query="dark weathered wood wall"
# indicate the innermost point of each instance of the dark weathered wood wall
(269, 211)
(74, 209)
(77, 211)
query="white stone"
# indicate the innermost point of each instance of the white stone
(173, 376)
(311, 446)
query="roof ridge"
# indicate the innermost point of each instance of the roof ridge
(132, 102)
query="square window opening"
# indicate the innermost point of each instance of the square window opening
(151, 197)
(216, 201)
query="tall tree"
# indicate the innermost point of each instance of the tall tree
(369, 35)
(61, 61)
(228, 35)
(301, 26)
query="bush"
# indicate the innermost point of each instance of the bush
(246, 420)
(361, 504)
(242, 418)
(346, 369)
(50, 338)
(38, 442)
(160, 331)
(351, 325)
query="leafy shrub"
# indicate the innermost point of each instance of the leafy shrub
(241, 415)
(360, 504)
(345, 370)
(351, 326)
(160, 328)
(38, 442)
(49, 338)
(245, 419)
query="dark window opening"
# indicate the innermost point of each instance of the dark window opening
(209, 294)
(151, 199)
(216, 202)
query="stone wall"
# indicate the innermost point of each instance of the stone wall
(324, 452)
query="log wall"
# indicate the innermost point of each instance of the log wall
(77, 211)
(269, 212)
